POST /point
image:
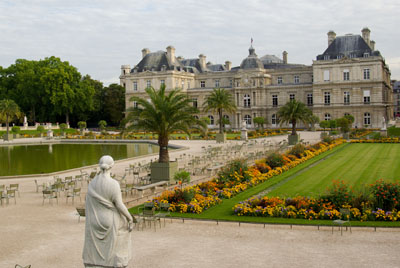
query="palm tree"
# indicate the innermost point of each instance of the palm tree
(9, 109)
(293, 112)
(163, 114)
(219, 100)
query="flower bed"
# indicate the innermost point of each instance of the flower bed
(235, 178)
(380, 204)
(383, 140)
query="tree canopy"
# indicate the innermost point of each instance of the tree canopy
(163, 114)
(218, 101)
(293, 112)
(52, 90)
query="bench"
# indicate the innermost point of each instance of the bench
(152, 187)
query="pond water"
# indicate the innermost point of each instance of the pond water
(37, 159)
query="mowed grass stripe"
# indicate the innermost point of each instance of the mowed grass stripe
(357, 164)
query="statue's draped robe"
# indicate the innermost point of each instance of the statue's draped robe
(107, 239)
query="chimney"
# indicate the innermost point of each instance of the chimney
(171, 54)
(331, 37)
(202, 61)
(365, 34)
(145, 51)
(228, 65)
(284, 57)
(125, 69)
(372, 45)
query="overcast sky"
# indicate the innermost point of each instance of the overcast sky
(99, 36)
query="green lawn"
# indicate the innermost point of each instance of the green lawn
(357, 164)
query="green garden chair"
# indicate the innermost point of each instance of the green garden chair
(343, 221)
(164, 212)
(15, 187)
(50, 195)
(75, 193)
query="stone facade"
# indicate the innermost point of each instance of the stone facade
(350, 77)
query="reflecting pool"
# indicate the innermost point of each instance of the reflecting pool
(47, 158)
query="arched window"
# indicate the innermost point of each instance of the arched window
(367, 119)
(226, 119)
(327, 117)
(247, 118)
(211, 119)
(247, 101)
(273, 119)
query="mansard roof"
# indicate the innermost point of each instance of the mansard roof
(351, 46)
(157, 61)
(193, 64)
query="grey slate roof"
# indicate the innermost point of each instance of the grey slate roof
(270, 59)
(194, 64)
(252, 61)
(282, 66)
(351, 46)
(156, 61)
(216, 67)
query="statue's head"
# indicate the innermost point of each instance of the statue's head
(106, 162)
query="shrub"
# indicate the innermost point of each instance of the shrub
(275, 160)
(339, 194)
(327, 139)
(182, 176)
(16, 129)
(63, 127)
(82, 125)
(40, 129)
(386, 195)
(298, 150)
(238, 166)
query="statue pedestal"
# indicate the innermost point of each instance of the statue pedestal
(243, 135)
(383, 132)
(220, 137)
(25, 125)
(49, 134)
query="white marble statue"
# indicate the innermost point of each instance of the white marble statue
(108, 222)
(383, 123)
(244, 125)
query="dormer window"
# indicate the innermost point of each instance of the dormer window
(339, 56)
(327, 57)
(352, 55)
(366, 55)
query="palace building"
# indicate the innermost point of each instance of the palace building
(349, 77)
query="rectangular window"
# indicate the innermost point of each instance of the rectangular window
(148, 83)
(366, 74)
(194, 101)
(326, 75)
(309, 99)
(183, 84)
(202, 83)
(274, 100)
(327, 57)
(162, 82)
(254, 98)
(367, 97)
(231, 83)
(188, 84)
(296, 79)
(135, 88)
(291, 97)
(217, 83)
(280, 81)
(346, 98)
(237, 99)
(327, 98)
(346, 75)
(135, 105)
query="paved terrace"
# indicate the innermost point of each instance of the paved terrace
(50, 235)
